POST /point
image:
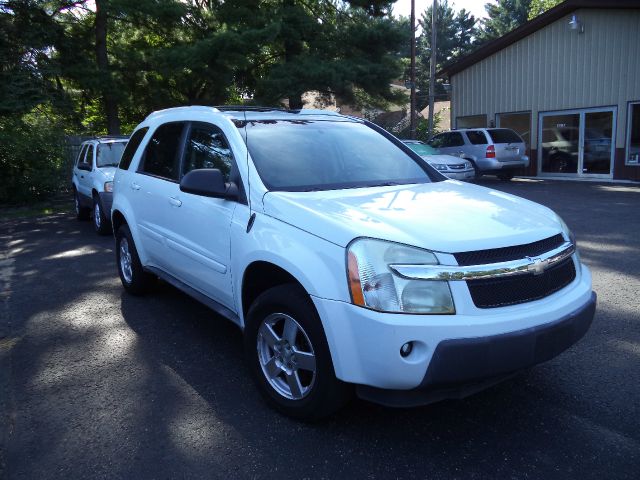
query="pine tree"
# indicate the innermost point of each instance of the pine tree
(502, 17)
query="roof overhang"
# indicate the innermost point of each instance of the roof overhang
(530, 27)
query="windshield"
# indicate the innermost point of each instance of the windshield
(109, 154)
(423, 149)
(304, 155)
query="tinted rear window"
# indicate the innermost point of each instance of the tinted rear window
(504, 135)
(476, 137)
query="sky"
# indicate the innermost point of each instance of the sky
(476, 7)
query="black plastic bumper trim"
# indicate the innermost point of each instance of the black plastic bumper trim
(462, 367)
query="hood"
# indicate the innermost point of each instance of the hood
(447, 216)
(446, 159)
(107, 172)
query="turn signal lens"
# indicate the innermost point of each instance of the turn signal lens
(354, 281)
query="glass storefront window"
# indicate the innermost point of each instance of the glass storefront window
(633, 134)
(518, 122)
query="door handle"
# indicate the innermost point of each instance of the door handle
(174, 201)
(135, 186)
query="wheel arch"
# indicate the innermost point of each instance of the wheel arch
(259, 276)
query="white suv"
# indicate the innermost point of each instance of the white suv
(346, 259)
(92, 179)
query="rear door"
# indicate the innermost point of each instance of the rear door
(508, 144)
(85, 176)
(155, 186)
(76, 171)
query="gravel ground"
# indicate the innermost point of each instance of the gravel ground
(95, 383)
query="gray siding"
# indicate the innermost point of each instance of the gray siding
(558, 69)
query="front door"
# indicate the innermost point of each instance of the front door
(577, 143)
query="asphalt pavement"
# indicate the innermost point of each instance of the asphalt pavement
(95, 383)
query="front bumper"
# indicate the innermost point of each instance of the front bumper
(365, 345)
(465, 366)
(461, 175)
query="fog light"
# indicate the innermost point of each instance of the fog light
(406, 349)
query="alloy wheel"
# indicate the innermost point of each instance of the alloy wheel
(125, 261)
(286, 356)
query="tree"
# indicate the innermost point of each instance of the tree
(502, 17)
(455, 34)
(538, 7)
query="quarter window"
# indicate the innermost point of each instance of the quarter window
(161, 154)
(207, 147)
(476, 137)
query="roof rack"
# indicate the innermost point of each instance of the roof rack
(299, 111)
(114, 137)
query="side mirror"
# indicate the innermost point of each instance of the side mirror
(84, 166)
(208, 182)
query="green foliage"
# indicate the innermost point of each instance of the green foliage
(32, 157)
(538, 7)
(503, 16)
(87, 63)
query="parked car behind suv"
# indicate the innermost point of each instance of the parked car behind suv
(346, 259)
(497, 151)
(92, 179)
(452, 167)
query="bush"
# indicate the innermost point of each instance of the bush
(32, 158)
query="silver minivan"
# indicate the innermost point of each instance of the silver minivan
(497, 151)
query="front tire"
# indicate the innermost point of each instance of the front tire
(289, 357)
(101, 223)
(133, 277)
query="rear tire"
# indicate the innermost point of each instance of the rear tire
(133, 277)
(101, 223)
(288, 355)
(82, 213)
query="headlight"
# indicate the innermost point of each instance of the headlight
(439, 166)
(468, 165)
(108, 187)
(373, 284)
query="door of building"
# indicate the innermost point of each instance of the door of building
(577, 143)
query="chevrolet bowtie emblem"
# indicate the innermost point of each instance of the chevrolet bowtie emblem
(538, 266)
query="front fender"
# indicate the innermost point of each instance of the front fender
(318, 265)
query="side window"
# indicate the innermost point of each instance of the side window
(455, 139)
(439, 141)
(207, 148)
(89, 158)
(476, 137)
(81, 155)
(130, 149)
(161, 155)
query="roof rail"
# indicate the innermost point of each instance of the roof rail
(107, 137)
(251, 108)
(190, 108)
